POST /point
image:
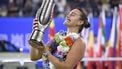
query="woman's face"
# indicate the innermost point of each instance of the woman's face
(73, 18)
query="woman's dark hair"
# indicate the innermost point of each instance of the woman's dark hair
(84, 18)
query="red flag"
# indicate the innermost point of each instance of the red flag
(90, 49)
(119, 39)
(51, 30)
(100, 40)
(111, 41)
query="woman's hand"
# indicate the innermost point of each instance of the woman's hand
(35, 23)
(32, 43)
(47, 48)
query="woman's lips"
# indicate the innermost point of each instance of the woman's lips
(68, 20)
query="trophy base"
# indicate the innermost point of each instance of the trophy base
(35, 43)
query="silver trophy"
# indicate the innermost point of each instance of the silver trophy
(44, 16)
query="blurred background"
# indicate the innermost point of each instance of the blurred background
(103, 38)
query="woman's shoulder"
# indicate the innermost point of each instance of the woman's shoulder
(81, 41)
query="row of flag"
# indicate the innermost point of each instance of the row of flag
(99, 47)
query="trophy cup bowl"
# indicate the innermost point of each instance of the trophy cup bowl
(44, 17)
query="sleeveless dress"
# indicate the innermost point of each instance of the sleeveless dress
(60, 46)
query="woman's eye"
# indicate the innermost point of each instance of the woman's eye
(72, 14)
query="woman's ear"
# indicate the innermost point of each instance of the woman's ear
(80, 22)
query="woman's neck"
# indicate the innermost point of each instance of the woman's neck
(72, 30)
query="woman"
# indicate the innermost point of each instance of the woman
(74, 47)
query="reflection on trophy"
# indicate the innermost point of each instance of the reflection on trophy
(44, 16)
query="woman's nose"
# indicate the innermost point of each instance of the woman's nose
(67, 16)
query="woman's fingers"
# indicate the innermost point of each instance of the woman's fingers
(35, 23)
(35, 20)
(35, 26)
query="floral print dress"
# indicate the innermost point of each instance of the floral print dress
(60, 46)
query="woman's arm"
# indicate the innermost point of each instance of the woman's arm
(36, 53)
(75, 54)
